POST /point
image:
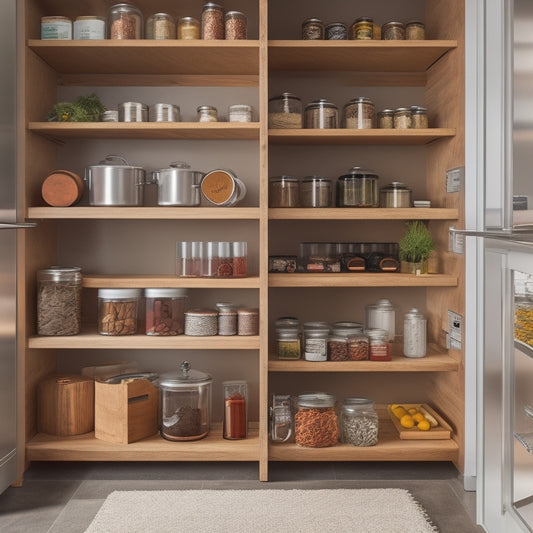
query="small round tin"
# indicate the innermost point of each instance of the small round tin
(132, 112)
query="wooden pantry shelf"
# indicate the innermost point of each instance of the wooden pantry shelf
(363, 279)
(365, 56)
(380, 213)
(145, 213)
(140, 281)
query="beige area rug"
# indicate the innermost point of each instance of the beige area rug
(262, 511)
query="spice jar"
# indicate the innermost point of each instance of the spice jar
(57, 28)
(235, 26)
(118, 311)
(288, 343)
(125, 22)
(362, 28)
(419, 117)
(225, 260)
(283, 191)
(415, 30)
(248, 321)
(358, 188)
(188, 28)
(160, 26)
(89, 28)
(189, 259)
(379, 349)
(235, 425)
(336, 31)
(227, 319)
(285, 112)
(359, 114)
(382, 315)
(359, 422)
(207, 113)
(281, 418)
(315, 421)
(165, 311)
(240, 113)
(315, 191)
(402, 118)
(414, 334)
(358, 347)
(321, 114)
(240, 259)
(185, 404)
(316, 343)
(393, 31)
(59, 301)
(396, 194)
(212, 21)
(210, 260)
(337, 348)
(201, 322)
(312, 29)
(386, 119)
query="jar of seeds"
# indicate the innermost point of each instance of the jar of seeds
(359, 114)
(315, 191)
(359, 422)
(212, 21)
(415, 30)
(336, 31)
(402, 118)
(248, 321)
(321, 114)
(201, 322)
(188, 28)
(312, 29)
(160, 26)
(235, 25)
(393, 31)
(419, 117)
(283, 191)
(362, 29)
(285, 112)
(207, 113)
(386, 119)
(125, 22)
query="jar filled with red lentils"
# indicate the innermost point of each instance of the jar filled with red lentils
(212, 21)
(125, 22)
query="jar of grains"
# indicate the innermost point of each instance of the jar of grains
(207, 113)
(359, 114)
(160, 26)
(165, 311)
(118, 311)
(188, 28)
(285, 112)
(235, 25)
(227, 319)
(57, 28)
(414, 334)
(212, 21)
(321, 114)
(386, 119)
(312, 29)
(358, 347)
(419, 117)
(315, 191)
(248, 321)
(359, 422)
(283, 191)
(337, 348)
(315, 421)
(59, 301)
(336, 31)
(240, 113)
(380, 349)
(402, 118)
(288, 343)
(125, 22)
(393, 31)
(362, 28)
(201, 322)
(415, 30)
(358, 188)
(240, 258)
(316, 343)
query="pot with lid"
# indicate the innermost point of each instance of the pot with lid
(178, 185)
(396, 194)
(113, 182)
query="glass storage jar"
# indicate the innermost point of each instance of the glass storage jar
(337, 348)
(415, 30)
(210, 259)
(212, 21)
(382, 315)
(386, 119)
(165, 311)
(419, 117)
(396, 194)
(336, 31)
(288, 343)
(414, 334)
(315, 191)
(240, 259)
(316, 343)
(379, 349)
(315, 421)
(358, 188)
(285, 112)
(402, 118)
(125, 21)
(235, 424)
(206, 113)
(281, 418)
(235, 25)
(321, 114)
(358, 347)
(160, 26)
(185, 404)
(284, 191)
(118, 311)
(189, 259)
(312, 29)
(59, 301)
(359, 422)
(225, 260)
(188, 28)
(359, 113)
(393, 31)
(362, 28)
(240, 113)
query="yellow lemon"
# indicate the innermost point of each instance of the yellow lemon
(413, 410)
(399, 411)
(424, 425)
(418, 417)
(407, 421)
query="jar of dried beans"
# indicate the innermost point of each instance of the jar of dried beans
(248, 321)
(312, 29)
(283, 191)
(315, 421)
(235, 25)
(235, 425)
(165, 311)
(337, 348)
(59, 301)
(359, 114)
(358, 347)
(160, 26)
(212, 21)
(118, 311)
(285, 112)
(125, 22)
(359, 422)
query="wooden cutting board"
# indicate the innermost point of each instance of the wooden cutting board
(442, 431)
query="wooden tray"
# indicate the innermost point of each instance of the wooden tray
(442, 431)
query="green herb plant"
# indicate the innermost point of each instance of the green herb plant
(84, 109)
(417, 244)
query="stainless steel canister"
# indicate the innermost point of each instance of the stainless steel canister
(132, 112)
(178, 185)
(397, 194)
(115, 183)
(164, 113)
(223, 188)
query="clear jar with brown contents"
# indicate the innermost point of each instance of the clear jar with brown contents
(358, 347)
(188, 28)
(212, 21)
(360, 114)
(315, 422)
(165, 311)
(415, 30)
(312, 29)
(285, 112)
(125, 22)
(402, 118)
(337, 348)
(393, 31)
(284, 191)
(118, 311)
(362, 29)
(316, 191)
(160, 26)
(386, 119)
(321, 114)
(235, 25)
(419, 117)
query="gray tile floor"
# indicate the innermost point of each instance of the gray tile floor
(65, 497)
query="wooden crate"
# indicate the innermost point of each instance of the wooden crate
(442, 431)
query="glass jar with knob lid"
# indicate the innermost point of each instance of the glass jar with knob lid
(358, 188)
(285, 112)
(321, 114)
(359, 422)
(125, 22)
(382, 315)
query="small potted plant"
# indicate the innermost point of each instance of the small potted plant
(415, 248)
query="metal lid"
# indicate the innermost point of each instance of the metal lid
(417, 22)
(359, 100)
(282, 179)
(315, 325)
(309, 179)
(384, 303)
(393, 24)
(402, 109)
(284, 96)
(311, 19)
(184, 378)
(212, 5)
(355, 404)
(376, 333)
(55, 18)
(347, 325)
(60, 273)
(248, 311)
(414, 313)
(419, 110)
(396, 186)
(336, 25)
(364, 19)
(235, 14)
(90, 17)
(165, 293)
(206, 108)
(188, 19)
(359, 172)
(386, 111)
(316, 399)
(320, 103)
(119, 293)
(116, 161)
(150, 376)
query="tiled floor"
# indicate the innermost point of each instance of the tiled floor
(64, 497)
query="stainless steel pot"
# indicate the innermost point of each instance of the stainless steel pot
(114, 182)
(178, 185)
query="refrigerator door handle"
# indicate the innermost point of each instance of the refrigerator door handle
(495, 234)
(19, 225)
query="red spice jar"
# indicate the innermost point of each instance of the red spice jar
(235, 424)
(380, 349)
(240, 259)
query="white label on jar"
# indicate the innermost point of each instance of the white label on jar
(89, 29)
(56, 30)
(316, 350)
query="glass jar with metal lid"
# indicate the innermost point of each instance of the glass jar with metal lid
(315, 191)
(379, 349)
(359, 422)
(402, 118)
(336, 31)
(419, 117)
(188, 28)
(337, 347)
(240, 113)
(316, 343)
(235, 25)
(359, 113)
(185, 404)
(207, 113)
(125, 21)
(283, 191)
(285, 112)
(396, 194)
(315, 421)
(118, 311)
(312, 29)
(358, 188)
(321, 114)
(160, 26)
(212, 21)
(288, 343)
(415, 30)
(165, 311)
(358, 347)
(393, 31)
(362, 28)
(414, 334)
(382, 315)
(386, 119)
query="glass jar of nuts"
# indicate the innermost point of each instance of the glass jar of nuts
(118, 311)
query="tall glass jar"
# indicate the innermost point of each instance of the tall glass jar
(414, 334)
(160, 26)
(283, 191)
(359, 422)
(235, 25)
(315, 421)
(235, 425)
(212, 21)
(380, 349)
(358, 188)
(165, 311)
(360, 114)
(59, 301)
(321, 114)
(312, 29)
(382, 315)
(285, 112)
(118, 311)
(240, 259)
(316, 343)
(188, 28)
(125, 22)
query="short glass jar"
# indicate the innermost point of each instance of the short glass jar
(240, 113)
(358, 188)
(188, 28)
(362, 29)
(283, 191)
(312, 29)
(160, 26)
(165, 311)
(402, 118)
(380, 349)
(359, 422)
(316, 344)
(285, 112)
(396, 194)
(358, 347)
(359, 113)
(212, 21)
(336, 31)
(386, 119)
(419, 117)
(315, 191)
(321, 114)
(337, 348)
(201, 322)
(288, 343)
(125, 22)
(235, 25)
(207, 113)
(393, 31)
(118, 311)
(414, 334)
(415, 30)
(315, 421)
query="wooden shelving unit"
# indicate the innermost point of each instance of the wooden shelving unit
(379, 213)
(139, 281)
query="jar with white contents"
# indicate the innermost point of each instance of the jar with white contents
(414, 334)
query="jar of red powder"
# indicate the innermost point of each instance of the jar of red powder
(235, 424)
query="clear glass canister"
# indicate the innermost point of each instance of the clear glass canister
(125, 21)
(240, 259)
(235, 25)
(358, 347)
(362, 28)
(337, 348)
(312, 29)
(235, 425)
(358, 188)
(165, 311)
(207, 113)
(212, 21)
(402, 118)
(281, 418)
(386, 119)
(396, 194)
(393, 31)
(227, 319)
(415, 30)
(188, 28)
(59, 301)
(285, 112)
(284, 191)
(336, 31)
(240, 113)
(315, 191)
(288, 343)
(225, 260)
(315, 421)
(382, 315)
(316, 344)
(414, 334)
(419, 117)
(380, 349)
(118, 311)
(360, 114)
(185, 404)
(321, 114)
(189, 258)
(359, 422)
(160, 26)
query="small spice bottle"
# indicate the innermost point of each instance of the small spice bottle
(118, 311)
(235, 25)
(125, 22)
(207, 113)
(285, 112)
(337, 348)
(315, 191)
(316, 343)
(321, 114)
(336, 31)
(240, 113)
(312, 29)
(359, 422)
(414, 334)
(283, 191)
(188, 28)
(235, 424)
(189, 258)
(419, 117)
(362, 28)
(160, 26)
(165, 311)
(402, 118)
(358, 347)
(359, 113)
(201, 322)
(393, 31)
(386, 119)
(415, 30)
(227, 319)
(248, 321)
(240, 259)
(380, 349)
(288, 343)
(212, 21)
(315, 421)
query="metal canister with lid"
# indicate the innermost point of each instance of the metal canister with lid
(132, 112)
(393, 31)
(315, 421)
(223, 188)
(164, 113)
(396, 194)
(312, 29)
(358, 188)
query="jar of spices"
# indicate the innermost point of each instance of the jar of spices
(321, 114)
(125, 22)
(118, 311)
(337, 348)
(207, 113)
(358, 347)
(393, 31)
(240, 259)
(56, 28)
(414, 334)
(315, 421)
(225, 260)
(402, 118)
(240, 113)
(248, 321)
(360, 114)
(386, 119)
(189, 259)
(312, 29)
(336, 31)
(382, 315)
(235, 424)
(396, 194)
(415, 30)
(285, 112)
(379, 348)
(59, 301)
(315, 191)
(227, 319)
(212, 21)
(362, 28)
(316, 343)
(288, 343)
(160, 26)
(188, 28)
(358, 188)
(419, 117)
(235, 25)
(283, 191)
(165, 311)
(201, 322)
(359, 422)
(89, 28)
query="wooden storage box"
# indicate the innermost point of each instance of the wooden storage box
(126, 412)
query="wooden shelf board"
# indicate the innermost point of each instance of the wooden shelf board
(369, 56)
(87, 448)
(149, 56)
(354, 213)
(145, 213)
(342, 136)
(363, 279)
